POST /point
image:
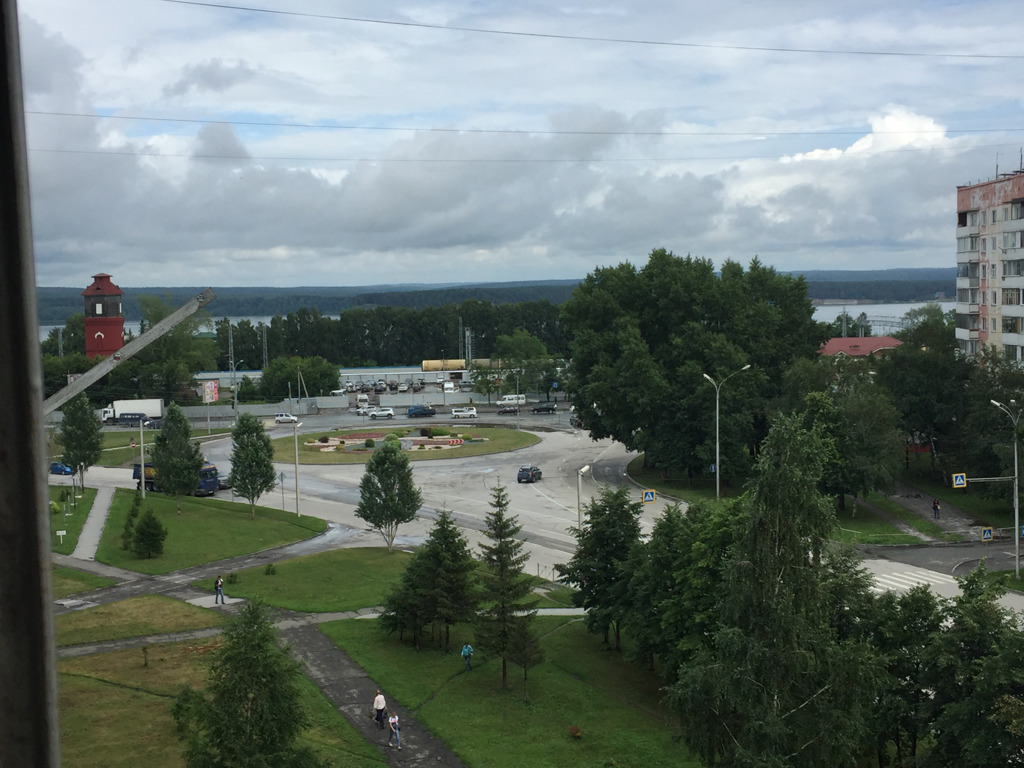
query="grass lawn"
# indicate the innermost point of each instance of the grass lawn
(117, 450)
(690, 491)
(339, 580)
(580, 683)
(997, 512)
(134, 617)
(916, 522)
(206, 530)
(860, 525)
(68, 581)
(73, 521)
(116, 713)
(497, 440)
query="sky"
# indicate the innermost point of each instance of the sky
(329, 142)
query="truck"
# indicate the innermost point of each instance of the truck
(207, 482)
(152, 408)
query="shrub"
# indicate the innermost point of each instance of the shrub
(425, 432)
(391, 437)
(369, 443)
(150, 533)
(270, 570)
(323, 439)
(232, 578)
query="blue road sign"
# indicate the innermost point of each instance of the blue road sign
(650, 496)
(986, 534)
(959, 479)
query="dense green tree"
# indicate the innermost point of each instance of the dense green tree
(148, 536)
(57, 371)
(176, 459)
(388, 497)
(524, 646)
(297, 376)
(642, 340)
(250, 714)
(975, 662)
(80, 435)
(71, 337)
(252, 460)
(611, 528)
(506, 588)
(406, 608)
(777, 686)
(521, 357)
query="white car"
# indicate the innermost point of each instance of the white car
(463, 413)
(285, 418)
(365, 410)
(403, 387)
(383, 413)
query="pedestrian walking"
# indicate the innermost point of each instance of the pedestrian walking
(467, 654)
(936, 509)
(380, 709)
(218, 591)
(393, 730)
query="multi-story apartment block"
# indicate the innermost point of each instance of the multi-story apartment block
(990, 265)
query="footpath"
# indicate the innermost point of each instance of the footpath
(345, 684)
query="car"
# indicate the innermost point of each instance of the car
(223, 482)
(403, 387)
(365, 410)
(58, 468)
(153, 423)
(420, 410)
(464, 413)
(505, 410)
(545, 408)
(383, 413)
(528, 473)
(285, 418)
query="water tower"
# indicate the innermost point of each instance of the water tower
(104, 323)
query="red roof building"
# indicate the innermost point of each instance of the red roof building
(104, 324)
(854, 346)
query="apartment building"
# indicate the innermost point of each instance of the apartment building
(990, 265)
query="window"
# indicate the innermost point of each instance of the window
(1010, 351)
(994, 302)
(972, 219)
(983, 271)
(1011, 325)
(1017, 211)
(1013, 268)
(99, 308)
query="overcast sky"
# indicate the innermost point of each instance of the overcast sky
(329, 142)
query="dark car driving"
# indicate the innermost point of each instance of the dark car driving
(528, 474)
(545, 408)
(506, 410)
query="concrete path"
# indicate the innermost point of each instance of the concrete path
(89, 538)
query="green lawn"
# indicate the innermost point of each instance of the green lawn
(496, 440)
(339, 580)
(72, 522)
(690, 491)
(996, 512)
(68, 581)
(861, 525)
(206, 530)
(116, 713)
(916, 522)
(135, 617)
(117, 450)
(580, 683)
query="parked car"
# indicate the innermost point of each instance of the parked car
(420, 410)
(57, 468)
(506, 410)
(528, 474)
(223, 481)
(285, 418)
(463, 413)
(153, 423)
(365, 410)
(403, 386)
(383, 413)
(545, 408)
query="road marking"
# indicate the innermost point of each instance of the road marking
(903, 581)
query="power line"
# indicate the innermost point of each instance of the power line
(507, 131)
(589, 39)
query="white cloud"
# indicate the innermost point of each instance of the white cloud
(809, 160)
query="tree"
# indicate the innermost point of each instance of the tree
(524, 646)
(176, 459)
(250, 713)
(148, 536)
(281, 378)
(252, 460)
(521, 356)
(505, 586)
(80, 435)
(777, 685)
(387, 495)
(611, 528)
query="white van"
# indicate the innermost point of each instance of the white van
(511, 400)
(362, 400)
(463, 413)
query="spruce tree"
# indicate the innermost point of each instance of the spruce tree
(506, 588)
(252, 460)
(148, 539)
(176, 459)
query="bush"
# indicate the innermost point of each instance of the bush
(270, 570)
(323, 439)
(150, 533)
(391, 437)
(232, 578)
(369, 442)
(425, 432)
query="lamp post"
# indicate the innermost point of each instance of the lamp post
(1014, 418)
(579, 492)
(718, 460)
(296, 425)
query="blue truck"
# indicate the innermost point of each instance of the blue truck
(207, 485)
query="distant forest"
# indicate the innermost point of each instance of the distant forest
(56, 305)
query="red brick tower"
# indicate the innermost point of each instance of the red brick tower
(104, 324)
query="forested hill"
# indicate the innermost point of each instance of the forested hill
(893, 285)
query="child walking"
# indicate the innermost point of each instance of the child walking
(394, 731)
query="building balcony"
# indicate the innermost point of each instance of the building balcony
(967, 231)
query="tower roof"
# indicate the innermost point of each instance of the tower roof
(101, 286)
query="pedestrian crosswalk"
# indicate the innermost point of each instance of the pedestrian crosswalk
(908, 577)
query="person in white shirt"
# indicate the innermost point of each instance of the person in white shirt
(380, 708)
(393, 731)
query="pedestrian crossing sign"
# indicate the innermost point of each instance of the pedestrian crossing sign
(959, 479)
(986, 534)
(650, 496)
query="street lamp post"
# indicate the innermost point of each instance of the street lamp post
(1014, 418)
(579, 491)
(296, 425)
(718, 459)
